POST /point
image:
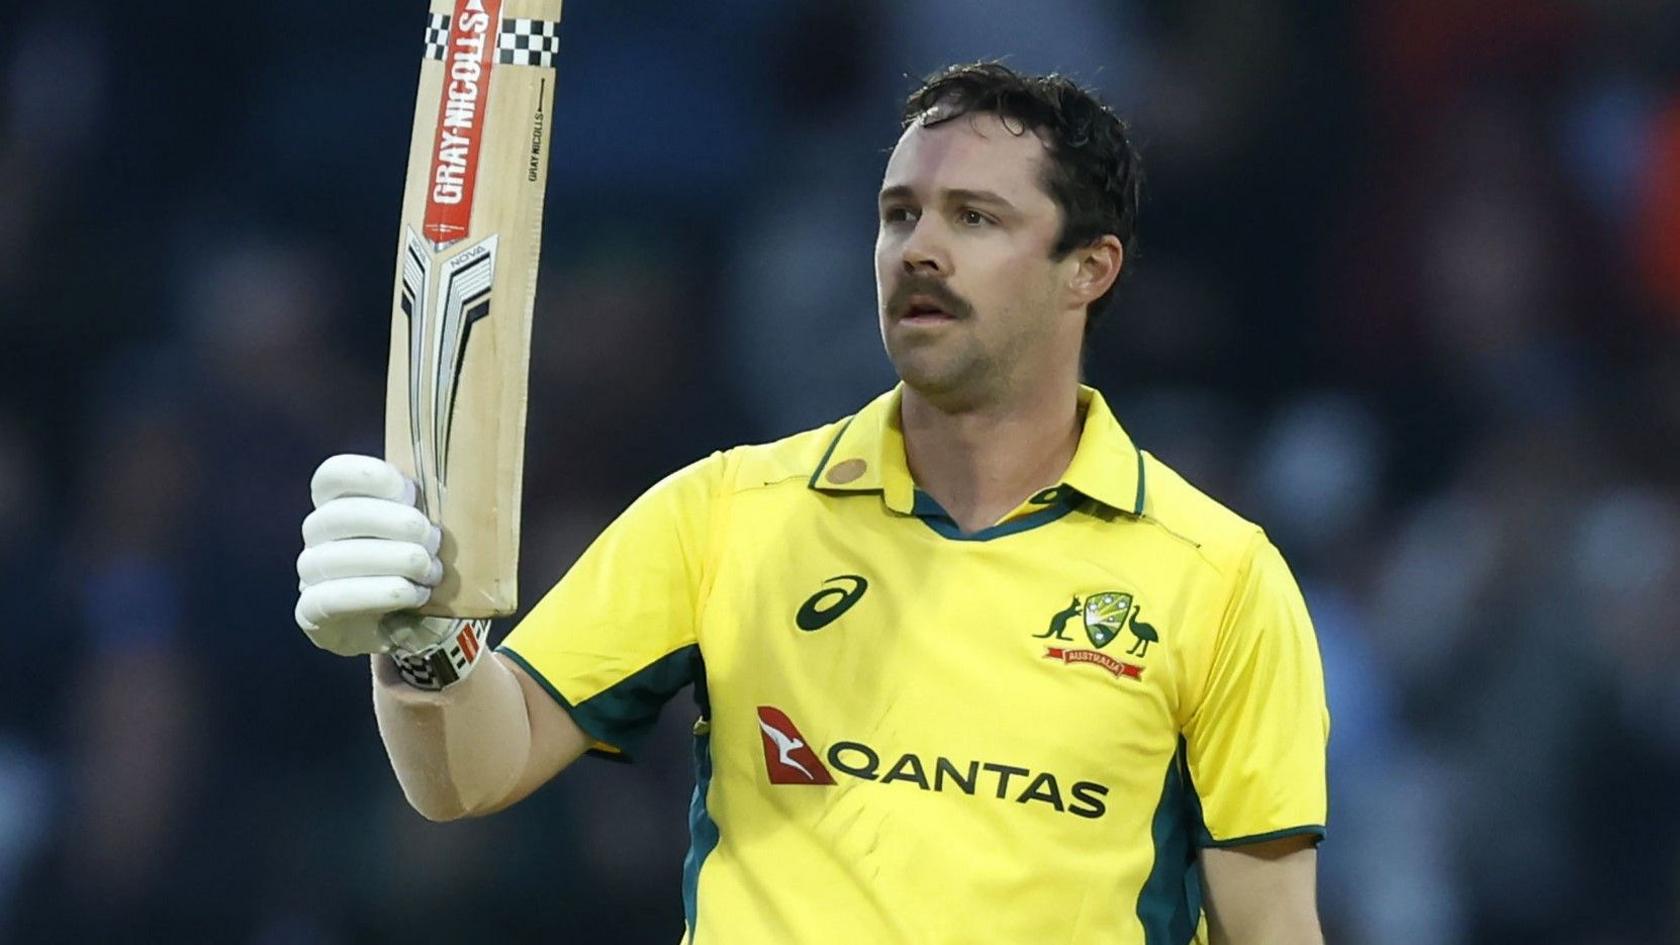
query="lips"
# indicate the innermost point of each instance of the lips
(920, 308)
(928, 308)
(923, 300)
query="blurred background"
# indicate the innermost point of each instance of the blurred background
(1407, 292)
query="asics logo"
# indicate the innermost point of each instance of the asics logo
(826, 605)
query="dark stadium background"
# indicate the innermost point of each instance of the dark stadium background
(1408, 292)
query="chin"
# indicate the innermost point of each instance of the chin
(936, 378)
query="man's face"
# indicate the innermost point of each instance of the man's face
(970, 300)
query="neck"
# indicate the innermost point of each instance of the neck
(979, 461)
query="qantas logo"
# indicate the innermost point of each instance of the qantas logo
(787, 757)
(790, 759)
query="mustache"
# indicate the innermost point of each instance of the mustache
(936, 289)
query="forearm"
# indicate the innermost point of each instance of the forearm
(458, 752)
(492, 734)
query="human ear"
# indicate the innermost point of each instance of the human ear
(1098, 266)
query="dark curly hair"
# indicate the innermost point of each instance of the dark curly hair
(1094, 173)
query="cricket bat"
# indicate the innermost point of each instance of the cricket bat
(466, 279)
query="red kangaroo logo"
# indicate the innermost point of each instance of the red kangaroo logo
(788, 758)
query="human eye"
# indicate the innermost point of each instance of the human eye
(896, 213)
(968, 216)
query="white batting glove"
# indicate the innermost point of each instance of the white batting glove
(368, 556)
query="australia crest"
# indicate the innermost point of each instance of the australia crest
(1105, 616)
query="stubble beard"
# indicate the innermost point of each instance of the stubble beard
(952, 373)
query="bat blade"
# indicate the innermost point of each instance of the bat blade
(466, 280)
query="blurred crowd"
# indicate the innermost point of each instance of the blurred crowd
(1407, 293)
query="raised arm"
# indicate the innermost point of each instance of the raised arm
(470, 732)
(477, 747)
(467, 732)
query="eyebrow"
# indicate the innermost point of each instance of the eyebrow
(951, 194)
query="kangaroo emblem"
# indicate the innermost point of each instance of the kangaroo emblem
(1058, 623)
(786, 745)
(1145, 635)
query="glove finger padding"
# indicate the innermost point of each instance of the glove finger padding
(344, 616)
(348, 474)
(355, 636)
(368, 557)
(360, 517)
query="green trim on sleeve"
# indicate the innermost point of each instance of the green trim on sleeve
(553, 693)
(622, 715)
(1205, 840)
(1316, 831)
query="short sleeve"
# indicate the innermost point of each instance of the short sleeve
(615, 639)
(1257, 740)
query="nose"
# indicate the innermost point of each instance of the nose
(924, 251)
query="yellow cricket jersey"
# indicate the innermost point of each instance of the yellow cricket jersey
(912, 735)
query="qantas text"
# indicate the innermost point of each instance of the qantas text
(974, 778)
